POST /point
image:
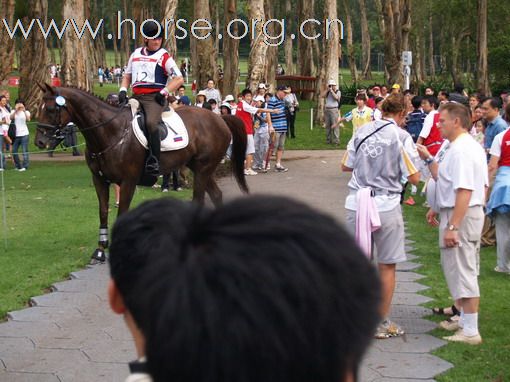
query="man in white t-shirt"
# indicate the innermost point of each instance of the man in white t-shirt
(462, 181)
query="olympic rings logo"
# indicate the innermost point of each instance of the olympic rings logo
(371, 150)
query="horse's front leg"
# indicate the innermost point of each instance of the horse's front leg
(127, 190)
(103, 193)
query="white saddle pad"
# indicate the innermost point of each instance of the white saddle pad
(177, 137)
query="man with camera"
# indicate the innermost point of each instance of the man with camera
(331, 105)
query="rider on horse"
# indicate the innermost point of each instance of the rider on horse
(153, 75)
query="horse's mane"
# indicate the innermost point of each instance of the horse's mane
(88, 93)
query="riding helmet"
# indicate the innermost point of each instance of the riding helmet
(152, 29)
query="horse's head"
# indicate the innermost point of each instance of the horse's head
(53, 118)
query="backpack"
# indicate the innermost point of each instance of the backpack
(414, 124)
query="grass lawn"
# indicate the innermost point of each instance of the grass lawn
(489, 361)
(52, 220)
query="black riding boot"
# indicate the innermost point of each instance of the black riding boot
(152, 163)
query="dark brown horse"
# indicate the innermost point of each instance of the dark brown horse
(114, 155)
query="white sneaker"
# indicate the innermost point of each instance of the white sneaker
(1, 169)
(22, 169)
(250, 172)
(461, 337)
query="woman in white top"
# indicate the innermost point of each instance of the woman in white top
(20, 116)
(4, 127)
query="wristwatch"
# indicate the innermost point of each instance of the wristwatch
(429, 160)
(451, 227)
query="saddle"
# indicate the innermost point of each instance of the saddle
(172, 132)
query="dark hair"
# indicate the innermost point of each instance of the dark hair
(506, 116)
(458, 110)
(361, 96)
(378, 99)
(458, 87)
(285, 307)
(408, 91)
(432, 100)
(495, 102)
(19, 100)
(416, 101)
(2, 97)
(207, 105)
(181, 87)
(445, 93)
(245, 91)
(393, 104)
(212, 101)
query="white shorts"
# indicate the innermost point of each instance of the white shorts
(250, 145)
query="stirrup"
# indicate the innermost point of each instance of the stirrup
(152, 165)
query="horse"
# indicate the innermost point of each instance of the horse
(114, 155)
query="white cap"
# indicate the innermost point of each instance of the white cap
(331, 83)
(202, 92)
(229, 98)
(226, 104)
(262, 86)
(259, 98)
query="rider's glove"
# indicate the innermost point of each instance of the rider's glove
(161, 96)
(122, 96)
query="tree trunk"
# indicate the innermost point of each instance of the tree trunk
(126, 36)
(170, 7)
(417, 73)
(75, 52)
(51, 49)
(34, 61)
(329, 60)
(230, 51)
(204, 56)
(272, 51)
(7, 44)
(365, 42)
(350, 46)
(258, 51)
(432, 65)
(306, 65)
(287, 44)
(456, 71)
(481, 38)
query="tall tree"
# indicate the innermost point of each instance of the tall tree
(272, 51)
(230, 51)
(287, 44)
(482, 70)
(258, 51)
(126, 36)
(329, 60)
(75, 53)
(365, 42)
(305, 60)
(7, 44)
(34, 61)
(397, 25)
(203, 53)
(432, 65)
(169, 8)
(350, 46)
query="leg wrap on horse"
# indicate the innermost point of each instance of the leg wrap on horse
(103, 237)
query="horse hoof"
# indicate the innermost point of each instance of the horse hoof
(98, 257)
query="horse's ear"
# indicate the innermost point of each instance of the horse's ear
(50, 88)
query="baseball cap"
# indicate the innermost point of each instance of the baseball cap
(202, 92)
(376, 88)
(259, 98)
(395, 86)
(331, 83)
(282, 88)
(229, 98)
(262, 86)
(226, 104)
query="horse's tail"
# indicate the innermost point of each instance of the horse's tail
(239, 143)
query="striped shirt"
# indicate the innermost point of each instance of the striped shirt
(279, 120)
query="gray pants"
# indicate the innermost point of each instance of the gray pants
(332, 129)
(503, 240)
(261, 147)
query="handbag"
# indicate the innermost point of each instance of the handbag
(11, 133)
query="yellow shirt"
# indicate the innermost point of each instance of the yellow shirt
(360, 117)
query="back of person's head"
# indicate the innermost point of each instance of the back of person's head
(460, 111)
(416, 101)
(458, 87)
(261, 289)
(393, 104)
(433, 101)
(445, 93)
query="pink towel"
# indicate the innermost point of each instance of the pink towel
(367, 220)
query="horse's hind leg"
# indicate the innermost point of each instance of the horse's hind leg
(214, 192)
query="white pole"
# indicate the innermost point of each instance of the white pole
(311, 118)
(187, 71)
(407, 76)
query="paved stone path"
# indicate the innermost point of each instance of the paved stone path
(71, 334)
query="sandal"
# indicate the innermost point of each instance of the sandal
(443, 312)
